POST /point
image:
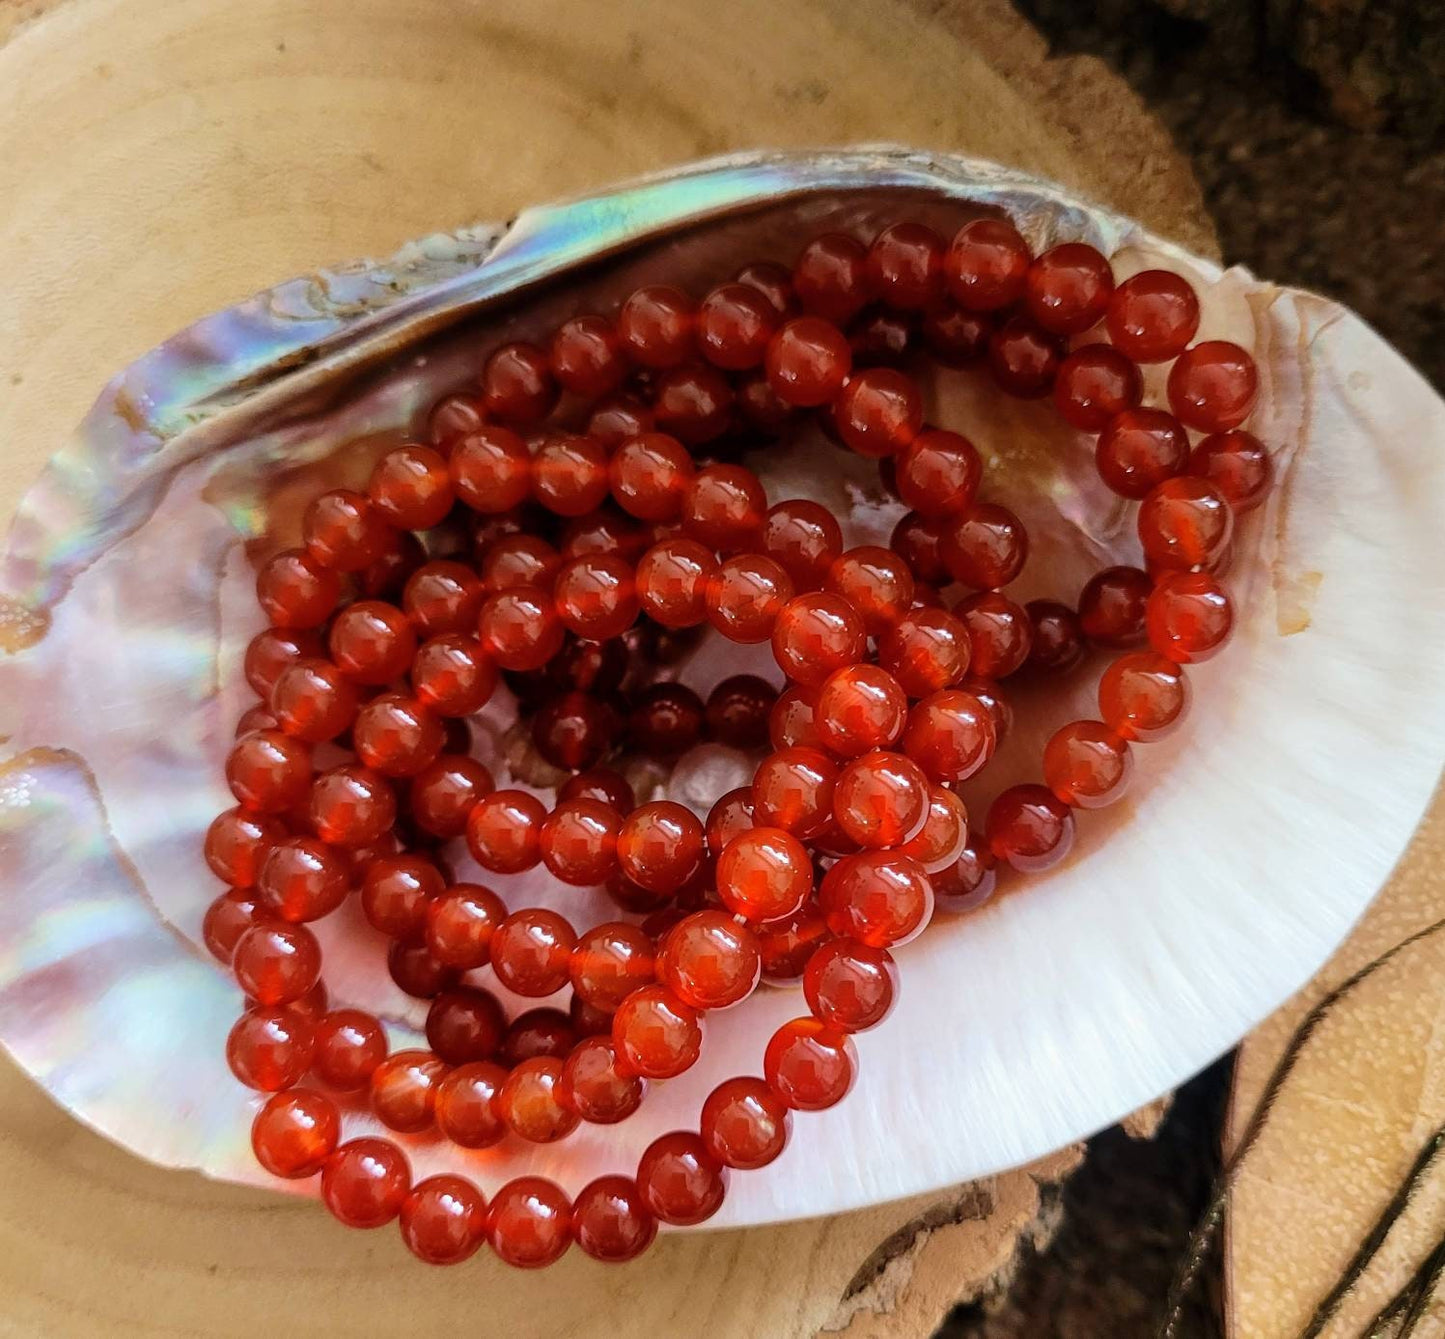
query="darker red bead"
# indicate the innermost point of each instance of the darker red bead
(1056, 642)
(517, 385)
(999, 633)
(1213, 385)
(491, 470)
(1024, 360)
(658, 326)
(1237, 464)
(1068, 288)
(465, 1024)
(734, 325)
(879, 411)
(1030, 828)
(519, 628)
(905, 266)
(1139, 449)
(986, 265)
(805, 538)
(694, 403)
(831, 277)
(586, 356)
(808, 361)
(1111, 606)
(611, 1221)
(1094, 383)
(679, 1180)
(295, 590)
(985, 548)
(1152, 316)
(955, 337)
(442, 597)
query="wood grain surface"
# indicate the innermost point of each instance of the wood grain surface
(163, 159)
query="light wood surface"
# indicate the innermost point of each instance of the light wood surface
(163, 159)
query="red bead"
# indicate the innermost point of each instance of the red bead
(1087, 765)
(229, 917)
(372, 642)
(445, 791)
(276, 963)
(737, 711)
(569, 474)
(850, 986)
(295, 1133)
(882, 338)
(793, 790)
(745, 596)
(403, 1090)
(940, 841)
(452, 675)
(938, 474)
(730, 816)
(1095, 383)
(955, 337)
(517, 384)
(609, 962)
(810, 1065)
(529, 1223)
(465, 1024)
(1213, 385)
(745, 1124)
(443, 597)
(610, 1220)
(918, 540)
(735, 323)
(395, 891)
(880, 799)
(805, 537)
(660, 845)
(709, 961)
(460, 923)
(787, 943)
(619, 417)
(968, 883)
(1030, 828)
(1152, 316)
(950, 735)
(808, 361)
(999, 633)
(1056, 641)
(269, 1049)
(649, 475)
(1237, 464)
(694, 403)
(1184, 523)
(272, 650)
(1111, 606)
(313, 701)
(1189, 617)
(1023, 359)
(520, 629)
(255, 718)
(365, 1181)
(860, 708)
(296, 591)
(1139, 449)
(504, 831)
(672, 582)
(765, 873)
(538, 1032)
(816, 634)
(491, 470)
(666, 720)
(656, 1034)
(237, 842)
(1068, 288)
(411, 487)
(396, 735)
(349, 1045)
(879, 412)
(464, 1111)
(531, 952)
(344, 531)
(528, 1103)
(596, 596)
(774, 282)
(759, 407)
(385, 578)
(679, 1180)
(877, 897)
(985, 548)
(876, 582)
(416, 972)
(723, 507)
(658, 326)
(596, 1086)
(303, 879)
(587, 357)
(986, 265)
(905, 266)
(444, 1220)
(268, 771)
(831, 277)
(926, 651)
(792, 722)
(578, 841)
(452, 417)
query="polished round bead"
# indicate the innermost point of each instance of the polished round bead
(787, 943)
(512, 560)
(596, 596)
(569, 474)
(807, 362)
(774, 282)
(595, 1085)
(396, 735)
(517, 385)
(586, 356)
(673, 579)
(679, 1180)
(1184, 523)
(233, 913)
(271, 651)
(793, 790)
(880, 799)
(603, 785)
(618, 417)
(1152, 316)
(877, 897)
(403, 1090)
(295, 1133)
(926, 651)
(709, 961)
(1237, 464)
(1030, 828)
(969, 882)
(850, 986)
(745, 1124)
(491, 470)
(387, 576)
(609, 530)
(745, 596)
(1023, 359)
(905, 266)
(986, 547)
(344, 531)
(999, 633)
(303, 879)
(578, 841)
(504, 831)
(737, 711)
(955, 337)
(810, 1065)
(269, 1049)
(295, 590)
(882, 338)
(649, 474)
(660, 845)
(538, 1032)
(1213, 385)
(1068, 288)
(609, 962)
(1056, 641)
(918, 540)
(276, 963)
(269, 772)
(465, 1024)
(416, 972)
(730, 816)
(830, 278)
(257, 717)
(1111, 606)
(519, 628)
(723, 507)
(1189, 617)
(443, 597)
(444, 1220)
(529, 1222)
(1095, 383)
(313, 701)
(453, 675)
(860, 708)
(452, 417)
(816, 634)
(694, 403)
(656, 1034)
(365, 1182)
(938, 473)
(395, 892)
(372, 642)
(758, 406)
(1087, 765)
(237, 842)
(411, 487)
(532, 950)
(348, 1046)
(1140, 448)
(666, 720)
(986, 265)
(444, 792)
(658, 326)
(879, 412)
(876, 582)
(464, 1109)
(940, 841)
(764, 873)
(950, 735)
(805, 537)
(460, 923)
(734, 325)
(611, 1221)
(527, 1102)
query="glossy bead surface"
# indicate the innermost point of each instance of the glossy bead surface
(938, 473)
(787, 943)
(271, 650)
(744, 1124)
(737, 711)
(792, 721)
(504, 831)
(276, 963)
(1189, 617)
(1087, 765)
(229, 917)
(443, 597)
(519, 628)
(453, 675)
(395, 892)
(1213, 385)
(1139, 449)
(313, 701)
(538, 1032)
(986, 265)
(365, 1181)
(444, 792)
(444, 1220)
(1185, 522)
(723, 508)
(969, 882)
(416, 972)
(517, 385)
(460, 923)
(294, 590)
(586, 356)
(529, 1222)
(905, 266)
(348, 1046)
(412, 487)
(596, 596)
(1023, 359)
(618, 417)
(531, 952)
(999, 633)
(1152, 316)
(463, 1105)
(294, 1134)
(810, 1065)
(805, 537)
(403, 1090)
(269, 1048)
(1095, 383)
(679, 1180)
(1237, 464)
(876, 582)
(660, 845)
(465, 1024)
(926, 651)
(666, 719)
(694, 403)
(578, 841)
(649, 474)
(609, 962)
(268, 771)
(816, 634)
(673, 579)
(527, 1102)
(237, 842)
(303, 879)
(610, 1220)
(491, 470)
(807, 362)
(372, 642)
(793, 791)
(595, 1085)
(396, 735)
(985, 548)
(709, 961)
(918, 540)
(1068, 288)
(764, 873)
(950, 735)
(1030, 828)
(730, 816)
(880, 799)
(603, 785)
(734, 325)
(860, 708)
(955, 337)
(940, 841)
(830, 277)
(877, 897)
(452, 417)
(656, 1034)
(879, 412)
(1111, 606)
(658, 326)
(569, 474)
(745, 596)
(850, 986)
(344, 531)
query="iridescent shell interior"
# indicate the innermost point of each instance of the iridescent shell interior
(1250, 843)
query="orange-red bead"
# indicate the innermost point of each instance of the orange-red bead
(1000, 633)
(444, 1220)
(1023, 359)
(709, 961)
(1095, 383)
(586, 356)
(569, 474)
(793, 722)
(397, 735)
(649, 474)
(295, 1133)
(464, 1105)
(344, 531)
(596, 596)
(295, 590)
(1213, 385)
(519, 628)
(303, 879)
(269, 772)
(673, 579)
(810, 1065)
(1056, 640)
(443, 597)
(656, 1034)
(723, 507)
(679, 1180)
(850, 986)
(529, 1222)
(531, 952)
(237, 842)
(403, 1090)
(351, 806)
(609, 962)
(1140, 448)
(491, 469)
(735, 323)
(764, 874)
(1189, 617)
(372, 642)
(805, 537)
(1237, 464)
(985, 548)
(745, 1124)
(737, 710)
(269, 1048)
(453, 675)
(610, 1220)
(860, 708)
(1030, 828)
(348, 1046)
(527, 1102)
(444, 792)
(876, 582)
(1152, 316)
(830, 277)
(504, 831)
(807, 362)
(276, 963)
(950, 735)
(395, 892)
(517, 384)
(816, 634)
(658, 326)
(745, 595)
(660, 845)
(411, 487)
(880, 799)
(925, 651)
(460, 923)
(1068, 288)
(878, 897)
(938, 474)
(365, 1181)
(229, 917)
(596, 1086)
(793, 790)
(1185, 522)
(969, 882)
(879, 412)
(905, 266)
(1087, 765)
(986, 265)
(271, 650)
(940, 841)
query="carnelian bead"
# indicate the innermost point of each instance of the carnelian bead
(1094, 383)
(808, 361)
(1023, 359)
(294, 1133)
(344, 531)
(905, 266)
(986, 547)
(649, 474)
(444, 1220)
(633, 897)
(1212, 386)
(586, 356)
(723, 507)
(519, 628)
(882, 338)
(938, 473)
(491, 470)
(1152, 316)
(918, 540)
(294, 590)
(745, 1124)
(1185, 522)
(759, 407)
(793, 790)
(460, 923)
(411, 487)
(876, 582)
(986, 265)
(591, 667)
(276, 963)
(578, 841)
(618, 417)
(365, 1181)
(880, 799)
(792, 722)
(955, 338)
(227, 919)
(860, 708)
(452, 417)
(395, 891)
(416, 972)
(830, 277)
(517, 384)
(810, 1065)
(595, 1085)
(396, 735)
(950, 735)
(258, 717)
(1111, 606)
(348, 1046)
(403, 1090)
(453, 675)
(443, 793)
(529, 1223)
(465, 1024)
(925, 651)
(658, 326)
(737, 711)
(596, 596)
(666, 720)
(372, 642)
(269, 1049)
(527, 1102)
(587, 1019)
(774, 282)
(816, 634)
(237, 842)
(879, 412)
(609, 962)
(850, 986)
(303, 879)
(805, 537)
(1068, 288)
(1056, 641)
(1189, 617)
(672, 582)
(538, 1032)
(463, 1105)
(385, 578)
(987, 692)
(531, 952)
(1030, 828)
(730, 816)
(999, 633)
(442, 597)
(569, 474)
(268, 771)
(679, 1180)
(313, 700)
(1140, 448)
(610, 1220)
(656, 1034)
(745, 596)
(512, 560)
(694, 403)
(967, 883)
(660, 845)
(940, 841)
(1237, 464)
(1087, 765)
(709, 961)
(787, 943)
(877, 897)
(734, 325)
